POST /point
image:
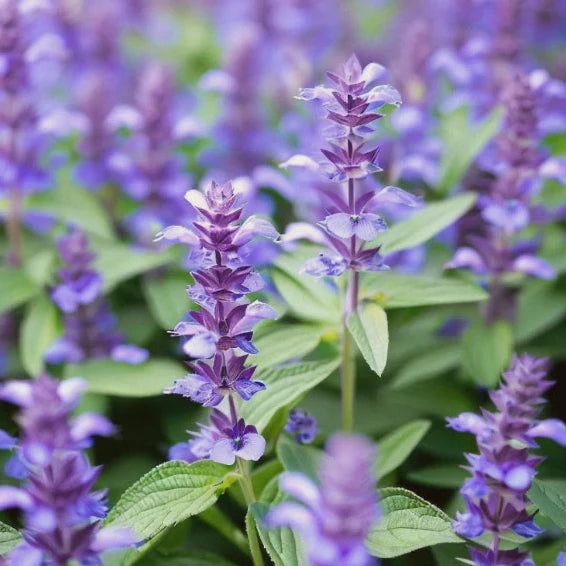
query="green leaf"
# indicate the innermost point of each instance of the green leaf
(74, 205)
(9, 538)
(308, 298)
(125, 380)
(463, 140)
(284, 546)
(396, 290)
(550, 497)
(448, 475)
(299, 458)
(424, 224)
(283, 342)
(166, 298)
(119, 262)
(428, 365)
(16, 287)
(169, 494)
(368, 326)
(409, 523)
(487, 351)
(40, 266)
(206, 559)
(40, 327)
(284, 387)
(397, 446)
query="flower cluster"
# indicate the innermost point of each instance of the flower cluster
(496, 494)
(335, 517)
(351, 106)
(302, 426)
(223, 326)
(89, 324)
(63, 516)
(508, 206)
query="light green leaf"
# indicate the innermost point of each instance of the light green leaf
(428, 365)
(299, 458)
(40, 327)
(166, 298)
(397, 290)
(424, 224)
(409, 523)
(40, 266)
(169, 494)
(463, 140)
(9, 538)
(284, 342)
(16, 287)
(368, 326)
(125, 380)
(550, 497)
(119, 262)
(487, 351)
(308, 298)
(74, 205)
(397, 446)
(284, 546)
(284, 387)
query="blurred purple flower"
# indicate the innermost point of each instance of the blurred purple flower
(302, 426)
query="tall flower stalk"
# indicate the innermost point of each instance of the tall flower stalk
(218, 337)
(62, 515)
(351, 107)
(503, 471)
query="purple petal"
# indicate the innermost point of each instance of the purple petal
(554, 168)
(527, 529)
(201, 346)
(395, 195)
(253, 227)
(11, 497)
(339, 224)
(300, 160)
(550, 428)
(15, 468)
(325, 265)
(253, 448)
(178, 234)
(321, 93)
(519, 478)
(255, 312)
(223, 452)
(71, 389)
(129, 354)
(300, 487)
(47, 46)
(182, 451)
(368, 226)
(26, 555)
(196, 199)
(17, 392)
(302, 231)
(247, 388)
(6, 441)
(372, 72)
(113, 538)
(467, 258)
(468, 422)
(91, 424)
(534, 266)
(124, 116)
(384, 94)
(292, 515)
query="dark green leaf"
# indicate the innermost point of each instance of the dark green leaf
(409, 523)
(550, 497)
(449, 475)
(368, 326)
(299, 458)
(166, 298)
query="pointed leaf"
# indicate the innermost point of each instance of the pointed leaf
(550, 497)
(16, 287)
(9, 538)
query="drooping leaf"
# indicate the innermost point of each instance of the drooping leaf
(424, 224)
(369, 328)
(125, 380)
(463, 140)
(169, 494)
(284, 387)
(397, 446)
(284, 342)
(409, 523)
(40, 327)
(9, 538)
(284, 547)
(487, 351)
(397, 290)
(550, 497)
(16, 287)
(298, 457)
(166, 298)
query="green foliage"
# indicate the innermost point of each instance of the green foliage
(168, 494)
(397, 290)
(368, 326)
(424, 224)
(487, 351)
(16, 287)
(285, 386)
(9, 538)
(166, 299)
(40, 327)
(397, 446)
(298, 458)
(409, 523)
(463, 140)
(124, 380)
(550, 497)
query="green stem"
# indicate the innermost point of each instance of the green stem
(248, 489)
(221, 523)
(348, 379)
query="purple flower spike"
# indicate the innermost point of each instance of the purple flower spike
(63, 516)
(335, 517)
(89, 325)
(302, 426)
(496, 495)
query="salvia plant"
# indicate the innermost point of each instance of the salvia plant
(263, 262)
